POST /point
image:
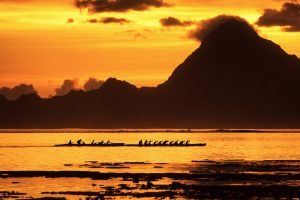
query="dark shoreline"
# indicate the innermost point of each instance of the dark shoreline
(176, 176)
(236, 179)
(199, 186)
(79, 130)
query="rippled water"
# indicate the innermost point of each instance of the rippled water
(35, 151)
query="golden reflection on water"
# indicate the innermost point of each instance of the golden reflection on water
(35, 151)
(247, 152)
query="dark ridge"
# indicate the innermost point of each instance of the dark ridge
(117, 85)
(29, 98)
(2, 98)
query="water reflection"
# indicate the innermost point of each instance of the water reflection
(35, 151)
(239, 165)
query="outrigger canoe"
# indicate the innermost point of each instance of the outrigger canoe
(129, 145)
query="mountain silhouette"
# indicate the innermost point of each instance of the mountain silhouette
(235, 79)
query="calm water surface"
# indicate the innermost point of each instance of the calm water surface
(35, 151)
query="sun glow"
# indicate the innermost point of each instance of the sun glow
(40, 46)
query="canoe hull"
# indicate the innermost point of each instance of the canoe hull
(127, 145)
(91, 145)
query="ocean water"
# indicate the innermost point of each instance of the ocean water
(36, 151)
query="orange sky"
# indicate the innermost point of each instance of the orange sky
(39, 47)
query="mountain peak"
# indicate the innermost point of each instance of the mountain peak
(113, 84)
(234, 59)
(232, 29)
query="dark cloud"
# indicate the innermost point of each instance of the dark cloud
(66, 87)
(93, 21)
(172, 21)
(16, 92)
(205, 27)
(288, 17)
(110, 20)
(92, 84)
(107, 20)
(97, 6)
(70, 20)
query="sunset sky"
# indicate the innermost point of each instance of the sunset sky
(44, 42)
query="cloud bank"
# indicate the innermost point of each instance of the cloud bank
(16, 92)
(98, 6)
(287, 17)
(172, 21)
(110, 20)
(67, 86)
(92, 84)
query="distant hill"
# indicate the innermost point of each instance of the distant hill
(235, 79)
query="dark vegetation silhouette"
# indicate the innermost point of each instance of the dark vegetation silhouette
(235, 79)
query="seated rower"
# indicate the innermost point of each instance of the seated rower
(176, 143)
(70, 142)
(93, 142)
(79, 141)
(141, 142)
(101, 142)
(181, 142)
(108, 142)
(187, 142)
(165, 142)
